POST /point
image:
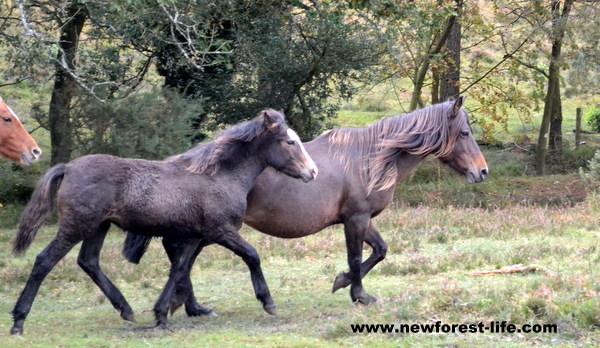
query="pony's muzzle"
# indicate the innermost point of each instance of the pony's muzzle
(31, 156)
(475, 177)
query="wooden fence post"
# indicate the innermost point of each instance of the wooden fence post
(578, 128)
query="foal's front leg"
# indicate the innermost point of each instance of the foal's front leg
(234, 242)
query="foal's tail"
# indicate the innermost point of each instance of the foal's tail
(38, 208)
(135, 247)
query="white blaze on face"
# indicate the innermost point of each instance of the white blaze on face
(296, 138)
(13, 113)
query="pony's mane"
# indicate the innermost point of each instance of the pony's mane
(374, 149)
(206, 158)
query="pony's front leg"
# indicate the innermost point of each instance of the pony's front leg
(354, 229)
(177, 273)
(374, 240)
(234, 242)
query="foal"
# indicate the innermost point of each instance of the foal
(192, 200)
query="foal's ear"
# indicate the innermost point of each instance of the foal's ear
(272, 120)
(458, 103)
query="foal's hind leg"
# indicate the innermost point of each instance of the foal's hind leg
(176, 275)
(234, 242)
(379, 251)
(355, 229)
(184, 292)
(44, 262)
(89, 261)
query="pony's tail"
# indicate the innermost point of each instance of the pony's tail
(38, 208)
(135, 247)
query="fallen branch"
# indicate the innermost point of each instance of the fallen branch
(519, 268)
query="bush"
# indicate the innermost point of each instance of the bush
(593, 118)
(591, 177)
(151, 125)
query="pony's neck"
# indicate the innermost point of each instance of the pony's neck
(406, 163)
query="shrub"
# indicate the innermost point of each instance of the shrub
(591, 177)
(593, 118)
(151, 125)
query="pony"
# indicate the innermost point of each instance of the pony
(15, 142)
(191, 200)
(359, 170)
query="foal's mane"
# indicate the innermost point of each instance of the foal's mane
(206, 158)
(374, 150)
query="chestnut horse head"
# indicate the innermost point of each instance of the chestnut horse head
(15, 142)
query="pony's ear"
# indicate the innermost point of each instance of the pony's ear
(458, 103)
(272, 120)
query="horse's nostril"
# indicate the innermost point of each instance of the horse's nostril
(36, 152)
(484, 172)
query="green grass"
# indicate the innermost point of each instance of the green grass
(424, 277)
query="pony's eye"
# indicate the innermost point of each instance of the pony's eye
(7, 119)
(464, 133)
(290, 142)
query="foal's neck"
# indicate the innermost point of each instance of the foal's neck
(245, 168)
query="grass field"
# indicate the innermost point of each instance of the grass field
(442, 230)
(423, 279)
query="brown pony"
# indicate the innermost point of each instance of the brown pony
(15, 142)
(359, 169)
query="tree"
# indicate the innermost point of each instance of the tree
(552, 117)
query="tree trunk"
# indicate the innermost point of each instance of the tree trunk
(552, 102)
(555, 141)
(435, 84)
(450, 78)
(423, 66)
(59, 118)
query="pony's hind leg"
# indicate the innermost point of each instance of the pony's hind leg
(234, 242)
(89, 261)
(44, 262)
(178, 270)
(374, 240)
(184, 292)
(355, 229)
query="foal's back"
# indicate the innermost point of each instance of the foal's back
(138, 195)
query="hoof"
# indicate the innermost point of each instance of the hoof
(129, 317)
(162, 326)
(365, 299)
(271, 309)
(341, 281)
(200, 311)
(16, 331)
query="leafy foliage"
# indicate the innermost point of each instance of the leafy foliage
(593, 118)
(591, 177)
(152, 125)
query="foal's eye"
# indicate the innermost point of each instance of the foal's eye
(290, 142)
(7, 119)
(464, 133)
